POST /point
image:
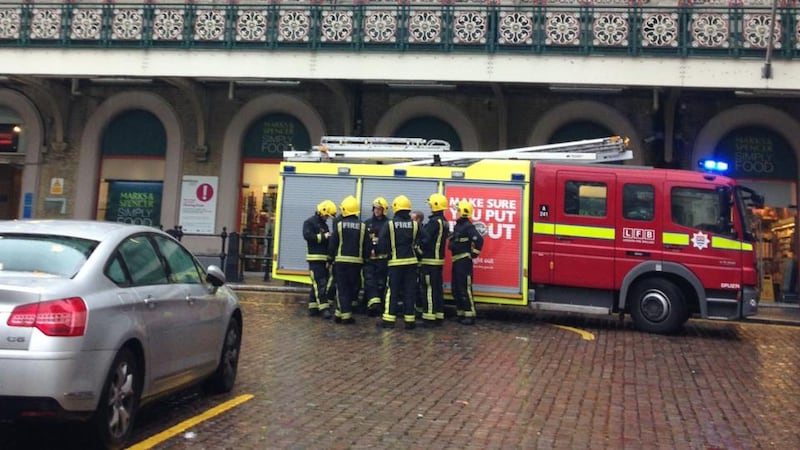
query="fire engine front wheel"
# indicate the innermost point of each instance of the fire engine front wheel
(658, 306)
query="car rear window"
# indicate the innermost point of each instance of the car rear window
(56, 255)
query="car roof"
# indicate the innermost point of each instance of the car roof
(85, 229)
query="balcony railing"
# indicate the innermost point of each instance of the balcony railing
(731, 31)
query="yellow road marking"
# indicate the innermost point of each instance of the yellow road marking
(585, 335)
(189, 423)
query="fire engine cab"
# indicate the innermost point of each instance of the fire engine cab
(561, 232)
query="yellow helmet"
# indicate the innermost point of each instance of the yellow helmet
(401, 203)
(438, 202)
(464, 209)
(350, 206)
(380, 202)
(326, 208)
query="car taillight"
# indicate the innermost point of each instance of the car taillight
(64, 317)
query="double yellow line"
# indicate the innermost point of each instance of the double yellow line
(189, 423)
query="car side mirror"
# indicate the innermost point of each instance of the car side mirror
(215, 276)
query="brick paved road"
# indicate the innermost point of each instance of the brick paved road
(512, 381)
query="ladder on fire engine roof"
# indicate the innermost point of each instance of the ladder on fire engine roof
(418, 151)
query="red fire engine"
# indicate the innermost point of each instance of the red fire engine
(560, 234)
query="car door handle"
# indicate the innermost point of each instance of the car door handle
(190, 300)
(563, 238)
(638, 254)
(149, 302)
(673, 247)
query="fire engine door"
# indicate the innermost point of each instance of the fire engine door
(695, 237)
(584, 231)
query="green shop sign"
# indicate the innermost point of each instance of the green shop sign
(136, 202)
(271, 135)
(757, 153)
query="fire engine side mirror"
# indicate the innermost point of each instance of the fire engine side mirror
(725, 225)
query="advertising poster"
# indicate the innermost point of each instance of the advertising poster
(495, 213)
(135, 202)
(198, 204)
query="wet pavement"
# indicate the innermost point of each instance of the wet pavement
(514, 380)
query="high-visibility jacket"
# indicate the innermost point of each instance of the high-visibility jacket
(438, 231)
(465, 242)
(348, 241)
(314, 229)
(402, 239)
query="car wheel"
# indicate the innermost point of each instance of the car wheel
(224, 377)
(658, 306)
(119, 402)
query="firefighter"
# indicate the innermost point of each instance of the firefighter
(375, 266)
(432, 264)
(465, 245)
(403, 240)
(317, 234)
(419, 303)
(346, 249)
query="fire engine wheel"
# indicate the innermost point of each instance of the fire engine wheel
(658, 306)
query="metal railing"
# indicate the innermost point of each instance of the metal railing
(582, 28)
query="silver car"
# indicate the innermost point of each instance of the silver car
(98, 317)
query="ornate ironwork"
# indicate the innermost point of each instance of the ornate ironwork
(294, 26)
(209, 25)
(702, 27)
(337, 26)
(380, 26)
(127, 24)
(515, 28)
(251, 25)
(756, 31)
(168, 24)
(10, 22)
(86, 23)
(46, 23)
(563, 28)
(469, 27)
(710, 30)
(425, 27)
(611, 30)
(660, 30)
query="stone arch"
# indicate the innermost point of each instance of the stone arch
(745, 115)
(430, 106)
(90, 151)
(589, 111)
(231, 167)
(34, 140)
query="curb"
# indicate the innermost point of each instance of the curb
(754, 319)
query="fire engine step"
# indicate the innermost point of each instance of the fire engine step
(563, 307)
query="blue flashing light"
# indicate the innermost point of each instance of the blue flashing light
(517, 177)
(399, 172)
(710, 165)
(289, 169)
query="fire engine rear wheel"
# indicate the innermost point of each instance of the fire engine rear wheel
(658, 306)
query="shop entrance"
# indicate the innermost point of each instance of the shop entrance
(762, 159)
(10, 187)
(262, 151)
(777, 253)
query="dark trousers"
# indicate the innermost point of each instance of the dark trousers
(402, 287)
(375, 273)
(348, 279)
(462, 287)
(318, 297)
(433, 292)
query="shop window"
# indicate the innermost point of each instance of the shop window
(584, 198)
(9, 137)
(638, 202)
